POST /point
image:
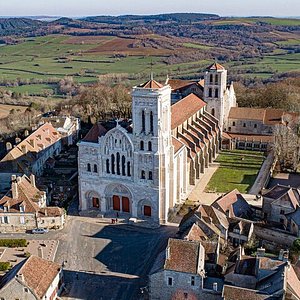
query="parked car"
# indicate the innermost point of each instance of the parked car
(39, 230)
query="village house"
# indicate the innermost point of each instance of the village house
(180, 272)
(67, 126)
(29, 156)
(32, 279)
(24, 208)
(279, 202)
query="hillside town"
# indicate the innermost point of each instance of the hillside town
(133, 209)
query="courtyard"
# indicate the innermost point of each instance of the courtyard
(238, 169)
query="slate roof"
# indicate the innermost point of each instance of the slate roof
(184, 109)
(183, 256)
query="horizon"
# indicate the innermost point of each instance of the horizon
(80, 8)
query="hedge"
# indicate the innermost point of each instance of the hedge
(4, 266)
(13, 243)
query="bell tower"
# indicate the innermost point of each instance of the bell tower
(151, 114)
(215, 82)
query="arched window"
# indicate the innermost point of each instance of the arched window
(211, 78)
(118, 163)
(151, 122)
(95, 168)
(210, 92)
(149, 146)
(213, 112)
(216, 79)
(216, 93)
(123, 165)
(89, 168)
(143, 121)
(142, 145)
(113, 164)
(128, 169)
(150, 176)
(107, 166)
(143, 174)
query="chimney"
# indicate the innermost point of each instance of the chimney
(32, 180)
(280, 256)
(215, 286)
(20, 276)
(40, 252)
(14, 187)
(24, 149)
(260, 252)
(26, 133)
(8, 146)
(285, 256)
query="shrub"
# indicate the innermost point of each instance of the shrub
(13, 243)
(4, 266)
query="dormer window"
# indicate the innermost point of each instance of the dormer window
(22, 208)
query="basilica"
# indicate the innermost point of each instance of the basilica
(144, 169)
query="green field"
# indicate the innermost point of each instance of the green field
(238, 170)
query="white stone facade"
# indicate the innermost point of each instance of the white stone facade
(145, 172)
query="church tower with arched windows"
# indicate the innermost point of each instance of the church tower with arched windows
(218, 97)
(151, 114)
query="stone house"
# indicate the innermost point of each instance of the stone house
(278, 202)
(67, 126)
(240, 231)
(24, 207)
(233, 205)
(179, 272)
(32, 279)
(29, 156)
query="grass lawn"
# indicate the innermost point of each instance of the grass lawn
(238, 169)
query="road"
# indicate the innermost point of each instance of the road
(104, 261)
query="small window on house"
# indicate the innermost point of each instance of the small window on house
(89, 167)
(229, 128)
(142, 145)
(193, 281)
(149, 146)
(170, 281)
(255, 125)
(244, 125)
(143, 174)
(150, 176)
(185, 295)
(282, 212)
(233, 123)
(95, 169)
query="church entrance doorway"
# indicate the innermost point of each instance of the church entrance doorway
(116, 203)
(125, 204)
(147, 211)
(96, 202)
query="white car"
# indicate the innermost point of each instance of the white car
(40, 230)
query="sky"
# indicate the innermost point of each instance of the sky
(72, 8)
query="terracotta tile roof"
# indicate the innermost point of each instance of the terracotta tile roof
(185, 108)
(252, 137)
(45, 136)
(38, 274)
(234, 293)
(177, 84)
(177, 144)
(215, 66)
(247, 113)
(183, 256)
(201, 83)
(234, 203)
(196, 234)
(266, 263)
(96, 131)
(151, 84)
(293, 281)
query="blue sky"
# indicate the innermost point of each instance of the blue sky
(118, 7)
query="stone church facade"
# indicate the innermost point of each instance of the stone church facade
(145, 169)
